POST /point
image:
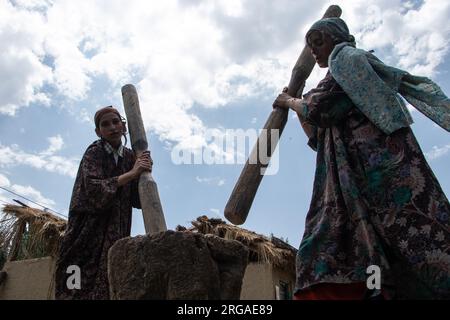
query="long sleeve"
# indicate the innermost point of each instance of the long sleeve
(327, 105)
(326, 109)
(93, 190)
(100, 189)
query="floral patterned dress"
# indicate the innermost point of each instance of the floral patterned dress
(99, 215)
(375, 201)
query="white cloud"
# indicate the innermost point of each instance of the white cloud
(26, 191)
(413, 35)
(4, 181)
(33, 194)
(56, 143)
(33, 4)
(217, 213)
(23, 74)
(211, 181)
(46, 160)
(178, 55)
(185, 53)
(437, 152)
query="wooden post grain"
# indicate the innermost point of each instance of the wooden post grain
(247, 185)
(152, 211)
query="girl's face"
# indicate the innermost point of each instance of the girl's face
(321, 46)
(111, 129)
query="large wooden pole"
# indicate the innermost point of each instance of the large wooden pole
(148, 190)
(245, 189)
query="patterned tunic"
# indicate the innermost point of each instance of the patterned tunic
(99, 215)
(375, 201)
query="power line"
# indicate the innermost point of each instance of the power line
(46, 208)
(14, 193)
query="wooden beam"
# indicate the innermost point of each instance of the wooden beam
(152, 211)
(247, 185)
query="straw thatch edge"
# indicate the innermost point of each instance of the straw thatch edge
(262, 249)
(27, 233)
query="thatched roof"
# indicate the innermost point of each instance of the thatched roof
(262, 249)
(27, 233)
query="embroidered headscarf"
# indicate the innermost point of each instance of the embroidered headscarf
(336, 28)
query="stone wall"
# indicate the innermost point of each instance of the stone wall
(31, 279)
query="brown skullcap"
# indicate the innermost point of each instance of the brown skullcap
(100, 113)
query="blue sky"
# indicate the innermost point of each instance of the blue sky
(197, 66)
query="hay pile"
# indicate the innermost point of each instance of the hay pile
(262, 249)
(27, 233)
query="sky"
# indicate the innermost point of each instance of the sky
(200, 67)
